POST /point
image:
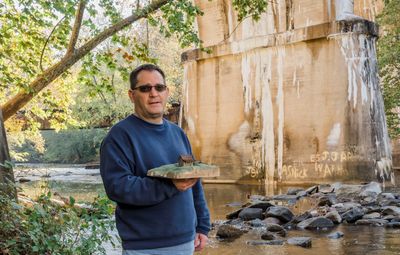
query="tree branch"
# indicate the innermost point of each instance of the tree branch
(47, 41)
(52, 73)
(77, 27)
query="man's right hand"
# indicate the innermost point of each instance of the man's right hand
(184, 184)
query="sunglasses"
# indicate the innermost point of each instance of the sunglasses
(147, 88)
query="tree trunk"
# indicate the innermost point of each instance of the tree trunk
(7, 182)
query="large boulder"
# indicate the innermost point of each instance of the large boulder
(281, 212)
(345, 192)
(251, 214)
(371, 189)
(262, 205)
(316, 223)
(344, 207)
(353, 215)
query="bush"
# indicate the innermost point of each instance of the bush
(66, 146)
(48, 228)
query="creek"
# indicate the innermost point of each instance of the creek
(222, 199)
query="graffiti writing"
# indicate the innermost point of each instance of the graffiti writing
(294, 171)
(332, 156)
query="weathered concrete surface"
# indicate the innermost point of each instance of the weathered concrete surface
(396, 154)
(219, 23)
(294, 98)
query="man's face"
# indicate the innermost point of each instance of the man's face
(149, 106)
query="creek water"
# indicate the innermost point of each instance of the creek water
(225, 198)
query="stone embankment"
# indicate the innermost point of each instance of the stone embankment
(330, 205)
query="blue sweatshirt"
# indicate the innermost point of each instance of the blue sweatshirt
(151, 212)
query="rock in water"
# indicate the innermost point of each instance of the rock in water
(372, 188)
(336, 235)
(353, 215)
(300, 241)
(251, 214)
(301, 217)
(263, 205)
(233, 215)
(257, 223)
(280, 212)
(267, 236)
(325, 200)
(227, 231)
(391, 210)
(312, 190)
(372, 222)
(316, 223)
(273, 220)
(325, 188)
(334, 216)
(261, 242)
(294, 191)
(274, 228)
(374, 215)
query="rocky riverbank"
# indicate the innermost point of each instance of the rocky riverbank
(56, 172)
(328, 206)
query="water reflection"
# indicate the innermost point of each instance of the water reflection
(225, 198)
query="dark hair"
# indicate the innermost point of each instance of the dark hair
(145, 67)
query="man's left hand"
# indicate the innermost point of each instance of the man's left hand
(200, 241)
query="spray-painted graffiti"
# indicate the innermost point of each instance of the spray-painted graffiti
(332, 156)
(328, 170)
(329, 163)
(325, 164)
(255, 170)
(295, 170)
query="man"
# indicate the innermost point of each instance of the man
(153, 215)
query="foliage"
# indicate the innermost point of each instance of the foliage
(24, 29)
(48, 228)
(36, 36)
(250, 8)
(389, 62)
(66, 146)
(7, 164)
(178, 19)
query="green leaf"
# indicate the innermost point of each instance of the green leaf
(71, 201)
